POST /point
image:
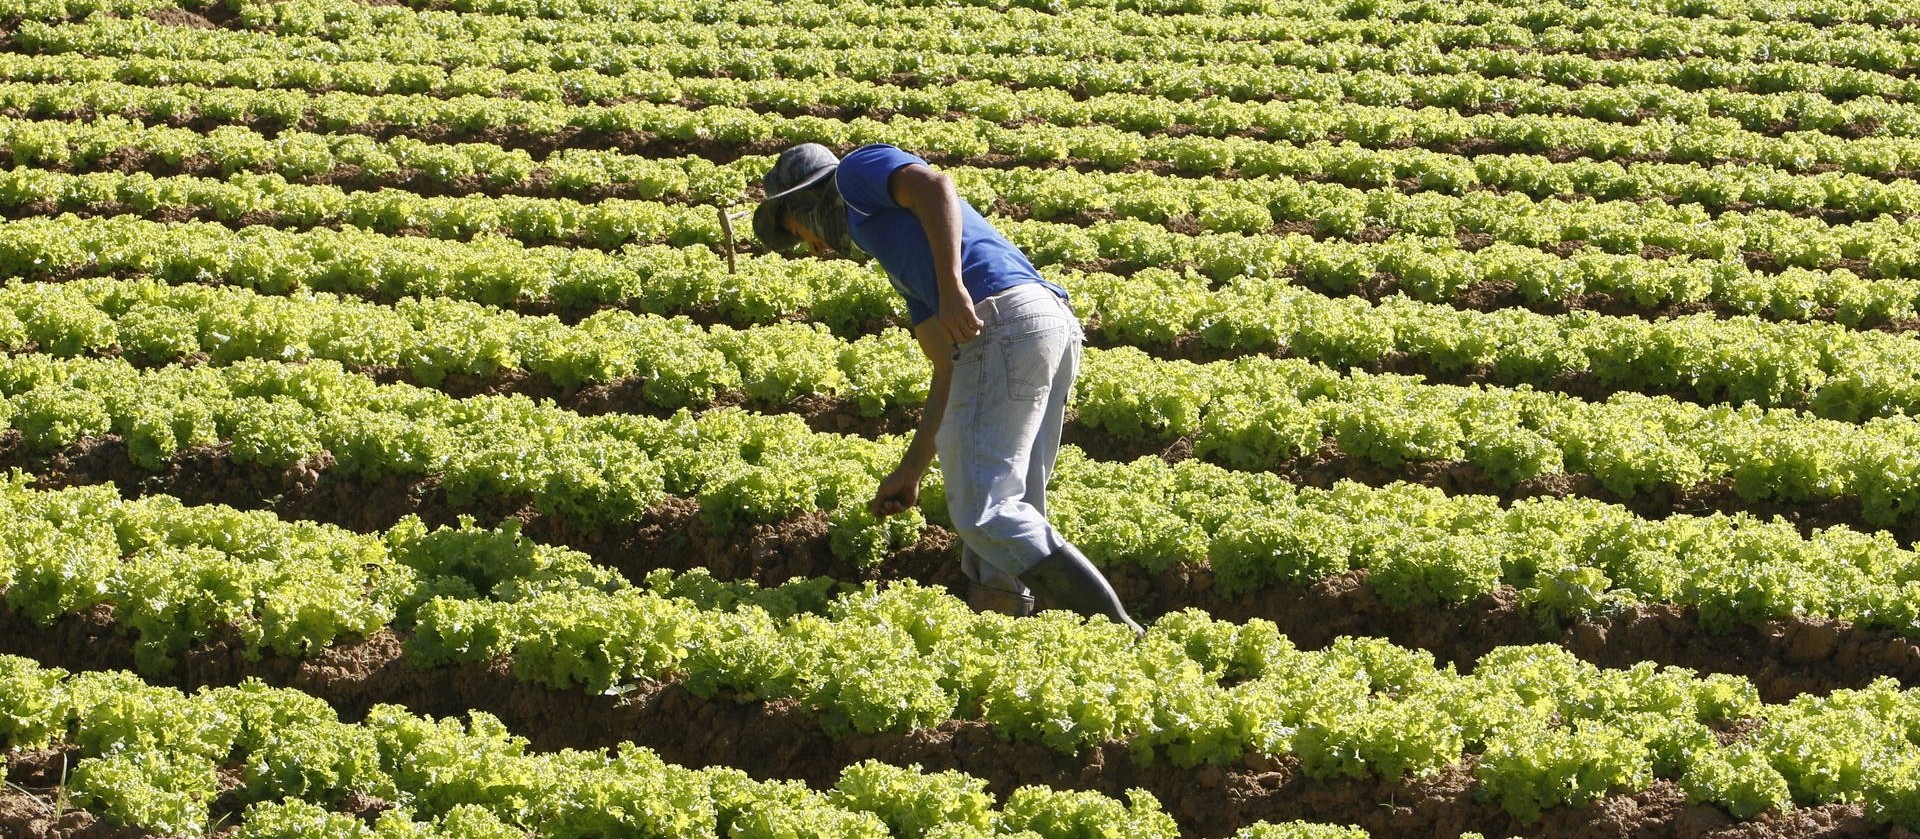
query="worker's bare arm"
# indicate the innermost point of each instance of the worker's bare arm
(930, 196)
(900, 489)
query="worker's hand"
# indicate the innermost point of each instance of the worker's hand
(957, 318)
(899, 491)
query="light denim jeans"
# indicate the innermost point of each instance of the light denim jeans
(1001, 433)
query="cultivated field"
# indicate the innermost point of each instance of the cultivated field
(1506, 416)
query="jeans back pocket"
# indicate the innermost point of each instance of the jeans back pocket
(1032, 359)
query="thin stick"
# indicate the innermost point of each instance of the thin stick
(60, 800)
(726, 224)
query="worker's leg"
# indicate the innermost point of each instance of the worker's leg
(1009, 391)
(992, 589)
(1046, 442)
(1003, 387)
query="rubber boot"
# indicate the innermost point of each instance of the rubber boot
(985, 598)
(1066, 578)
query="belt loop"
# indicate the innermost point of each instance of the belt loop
(988, 309)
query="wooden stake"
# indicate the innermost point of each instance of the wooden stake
(726, 225)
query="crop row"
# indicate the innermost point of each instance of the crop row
(300, 154)
(587, 470)
(614, 222)
(1440, 269)
(1204, 54)
(141, 51)
(680, 363)
(607, 224)
(77, 9)
(1884, 244)
(82, 145)
(1426, 255)
(1781, 26)
(1828, 370)
(489, 270)
(1209, 150)
(1257, 412)
(1823, 369)
(1433, 269)
(1548, 729)
(1566, 556)
(1720, 188)
(1256, 201)
(1888, 249)
(152, 757)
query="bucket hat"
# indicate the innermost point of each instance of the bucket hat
(794, 170)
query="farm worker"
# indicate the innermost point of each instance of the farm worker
(1005, 348)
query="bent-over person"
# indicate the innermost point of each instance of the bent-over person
(1005, 348)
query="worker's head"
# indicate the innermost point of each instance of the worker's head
(802, 204)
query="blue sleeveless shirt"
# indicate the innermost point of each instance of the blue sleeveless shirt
(989, 264)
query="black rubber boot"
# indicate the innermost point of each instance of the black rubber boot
(989, 599)
(1067, 579)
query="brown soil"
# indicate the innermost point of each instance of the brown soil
(182, 17)
(672, 536)
(34, 803)
(1494, 295)
(25, 816)
(1783, 658)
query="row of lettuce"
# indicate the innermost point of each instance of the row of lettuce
(1823, 369)
(79, 145)
(1565, 556)
(1749, 30)
(504, 272)
(1238, 311)
(152, 758)
(1252, 206)
(1545, 729)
